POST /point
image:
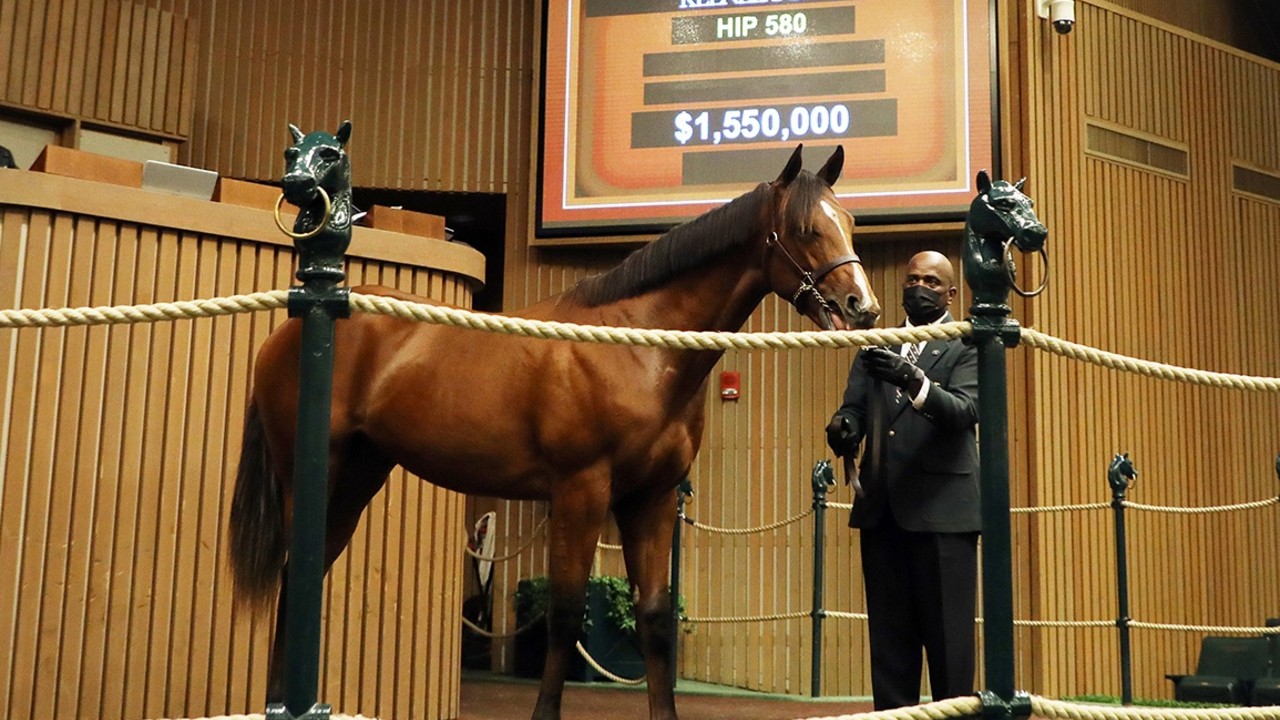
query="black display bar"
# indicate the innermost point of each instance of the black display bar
(778, 57)
(605, 8)
(740, 166)
(756, 88)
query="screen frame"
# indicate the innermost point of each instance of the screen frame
(609, 234)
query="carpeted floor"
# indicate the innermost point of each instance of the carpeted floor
(497, 697)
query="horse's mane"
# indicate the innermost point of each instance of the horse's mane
(691, 244)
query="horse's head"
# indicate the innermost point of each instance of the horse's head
(316, 161)
(809, 257)
(1001, 212)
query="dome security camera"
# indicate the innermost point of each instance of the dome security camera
(1061, 13)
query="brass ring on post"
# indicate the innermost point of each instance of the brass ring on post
(328, 210)
(1013, 283)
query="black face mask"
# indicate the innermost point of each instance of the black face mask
(922, 304)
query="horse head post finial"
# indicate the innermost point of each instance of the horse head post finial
(1000, 217)
(1121, 475)
(317, 179)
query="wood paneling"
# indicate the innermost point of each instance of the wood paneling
(1153, 266)
(112, 62)
(117, 452)
(435, 91)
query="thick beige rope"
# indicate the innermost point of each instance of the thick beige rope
(752, 530)
(1218, 629)
(128, 314)
(1200, 510)
(600, 668)
(680, 339)
(1075, 351)
(1060, 508)
(970, 706)
(486, 633)
(525, 546)
(746, 618)
(438, 314)
(967, 706)
(1046, 708)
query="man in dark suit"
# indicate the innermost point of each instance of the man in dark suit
(914, 410)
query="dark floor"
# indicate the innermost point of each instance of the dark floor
(500, 697)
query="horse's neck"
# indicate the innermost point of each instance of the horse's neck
(718, 297)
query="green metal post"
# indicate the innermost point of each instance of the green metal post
(321, 239)
(1119, 473)
(990, 231)
(683, 491)
(823, 478)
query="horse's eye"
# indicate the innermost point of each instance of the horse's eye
(329, 154)
(291, 153)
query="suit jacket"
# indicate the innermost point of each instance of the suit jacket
(920, 465)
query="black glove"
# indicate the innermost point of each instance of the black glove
(841, 437)
(890, 367)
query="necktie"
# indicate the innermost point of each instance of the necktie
(913, 352)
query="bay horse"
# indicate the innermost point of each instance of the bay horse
(588, 428)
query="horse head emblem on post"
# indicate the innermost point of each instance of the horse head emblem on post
(1000, 217)
(318, 180)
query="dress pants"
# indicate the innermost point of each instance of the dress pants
(921, 592)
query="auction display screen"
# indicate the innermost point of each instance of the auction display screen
(655, 111)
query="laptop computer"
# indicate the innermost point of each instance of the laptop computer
(178, 179)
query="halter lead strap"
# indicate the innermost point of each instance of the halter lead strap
(809, 280)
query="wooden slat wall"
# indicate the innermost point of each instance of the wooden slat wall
(435, 91)
(117, 453)
(1164, 268)
(113, 62)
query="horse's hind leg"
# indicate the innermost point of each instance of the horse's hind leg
(578, 510)
(646, 524)
(357, 473)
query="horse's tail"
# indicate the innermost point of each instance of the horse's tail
(257, 519)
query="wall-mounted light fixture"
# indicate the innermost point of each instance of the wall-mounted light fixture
(1062, 13)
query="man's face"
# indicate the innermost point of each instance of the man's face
(931, 274)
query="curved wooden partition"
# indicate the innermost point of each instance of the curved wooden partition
(117, 453)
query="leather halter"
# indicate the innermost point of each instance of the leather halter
(809, 280)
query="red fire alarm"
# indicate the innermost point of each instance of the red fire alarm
(730, 385)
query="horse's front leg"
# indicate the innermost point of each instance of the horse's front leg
(646, 524)
(578, 511)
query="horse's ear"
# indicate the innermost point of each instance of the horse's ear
(1018, 185)
(984, 181)
(295, 132)
(830, 172)
(792, 169)
(344, 133)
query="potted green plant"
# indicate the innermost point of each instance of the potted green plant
(609, 630)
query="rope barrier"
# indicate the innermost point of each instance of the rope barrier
(746, 618)
(1198, 510)
(600, 668)
(679, 339)
(1058, 709)
(489, 634)
(527, 544)
(456, 317)
(1061, 508)
(967, 706)
(158, 312)
(1075, 351)
(1220, 629)
(970, 706)
(752, 530)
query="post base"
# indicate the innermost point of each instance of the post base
(995, 708)
(278, 711)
